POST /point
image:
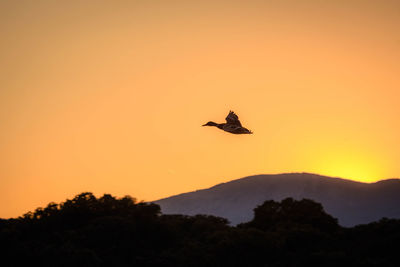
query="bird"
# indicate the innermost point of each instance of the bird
(232, 125)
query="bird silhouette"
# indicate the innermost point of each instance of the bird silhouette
(232, 125)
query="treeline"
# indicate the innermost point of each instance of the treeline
(109, 231)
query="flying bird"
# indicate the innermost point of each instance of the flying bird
(232, 125)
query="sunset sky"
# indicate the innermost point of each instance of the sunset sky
(110, 96)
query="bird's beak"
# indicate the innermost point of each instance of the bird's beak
(204, 124)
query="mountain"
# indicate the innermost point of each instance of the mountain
(351, 202)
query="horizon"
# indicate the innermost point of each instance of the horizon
(209, 187)
(110, 97)
(277, 174)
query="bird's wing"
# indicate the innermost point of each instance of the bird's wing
(232, 118)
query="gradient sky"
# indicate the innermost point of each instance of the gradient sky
(110, 96)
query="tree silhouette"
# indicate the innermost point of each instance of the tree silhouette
(290, 213)
(109, 231)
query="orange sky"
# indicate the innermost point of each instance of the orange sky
(109, 97)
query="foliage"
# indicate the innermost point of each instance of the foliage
(107, 231)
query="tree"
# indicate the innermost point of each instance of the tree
(290, 213)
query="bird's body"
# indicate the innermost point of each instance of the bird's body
(232, 125)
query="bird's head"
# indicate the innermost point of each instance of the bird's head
(210, 123)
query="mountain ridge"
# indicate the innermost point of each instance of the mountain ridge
(352, 202)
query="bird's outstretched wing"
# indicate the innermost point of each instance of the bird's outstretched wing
(233, 119)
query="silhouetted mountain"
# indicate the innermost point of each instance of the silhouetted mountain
(351, 202)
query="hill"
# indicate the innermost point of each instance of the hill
(351, 202)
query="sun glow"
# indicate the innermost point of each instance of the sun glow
(351, 164)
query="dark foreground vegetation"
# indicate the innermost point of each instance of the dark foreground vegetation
(106, 231)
